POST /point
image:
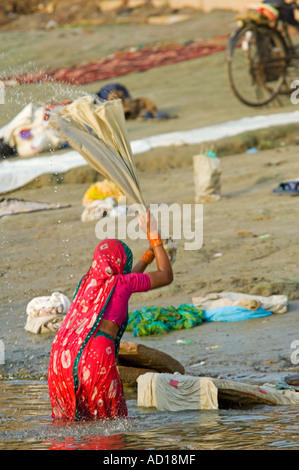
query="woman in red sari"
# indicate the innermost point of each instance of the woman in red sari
(83, 379)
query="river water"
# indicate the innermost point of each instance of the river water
(26, 424)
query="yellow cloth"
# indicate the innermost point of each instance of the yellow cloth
(101, 190)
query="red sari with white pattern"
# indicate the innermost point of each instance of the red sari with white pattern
(83, 379)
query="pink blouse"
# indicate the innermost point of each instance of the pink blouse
(126, 285)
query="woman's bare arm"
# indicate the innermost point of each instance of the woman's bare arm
(163, 276)
(139, 267)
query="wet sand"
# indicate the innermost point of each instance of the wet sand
(49, 251)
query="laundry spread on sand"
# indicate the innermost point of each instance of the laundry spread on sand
(274, 303)
(157, 320)
(151, 320)
(15, 174)
(19, 206)
(122, 63)
(233, 313)
(211, 308)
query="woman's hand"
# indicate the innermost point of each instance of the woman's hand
(164, 274)
(147, 222)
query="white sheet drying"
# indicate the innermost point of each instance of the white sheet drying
(17, 173)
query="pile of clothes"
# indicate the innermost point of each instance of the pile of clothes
(103, 199)
(45, 314)
(28, 134)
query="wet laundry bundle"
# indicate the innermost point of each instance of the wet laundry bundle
(176, 392)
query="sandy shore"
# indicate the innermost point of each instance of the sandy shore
(48, 251)
(252, 232)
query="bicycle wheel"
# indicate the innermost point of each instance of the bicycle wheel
(257, 64)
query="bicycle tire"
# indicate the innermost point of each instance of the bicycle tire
(257, 72)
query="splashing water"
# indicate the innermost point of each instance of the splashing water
(25, 423)
(17, 96)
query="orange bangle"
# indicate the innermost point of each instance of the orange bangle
(154, 239)
(148, 257)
